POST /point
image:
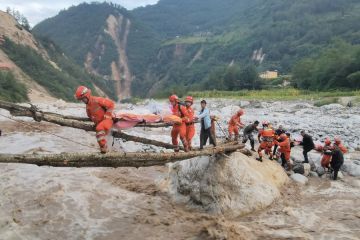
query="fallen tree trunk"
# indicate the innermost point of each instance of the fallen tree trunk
(61, 120)
(113, 159)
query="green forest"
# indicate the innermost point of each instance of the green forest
(11, 89)
(205, 45)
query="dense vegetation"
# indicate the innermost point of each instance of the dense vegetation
(11, 89)
(337, 67)
(61, 83)
(190, 44)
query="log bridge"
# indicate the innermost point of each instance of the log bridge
(112, 159)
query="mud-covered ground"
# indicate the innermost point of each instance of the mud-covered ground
(127, 203)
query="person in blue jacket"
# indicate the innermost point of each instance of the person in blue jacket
(205, 132)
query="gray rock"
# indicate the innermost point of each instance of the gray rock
(299, 168)
(299, 178)
(307, 169)
(320, 171)
(233, 186)
(313, 174)
(352, 168)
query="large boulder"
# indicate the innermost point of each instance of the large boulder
(234, 185)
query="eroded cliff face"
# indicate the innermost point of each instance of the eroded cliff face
(118, 29)
(10, 29)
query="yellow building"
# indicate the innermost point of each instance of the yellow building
(269, 75)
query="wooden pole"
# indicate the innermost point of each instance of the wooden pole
(113, 159)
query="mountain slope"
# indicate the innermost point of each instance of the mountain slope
(38, 69)
(105, 39)
(190, 44)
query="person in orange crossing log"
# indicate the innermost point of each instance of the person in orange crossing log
(266, 140)
(100, 111)
(179, 129)
(285, 149)
(234, 124)
(337, 142)
(189, 120)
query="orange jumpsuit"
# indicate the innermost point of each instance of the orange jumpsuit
(190, 126)
(267, 141)
(342, 148)
(326, 158)
(179, 129)
(99, 110)
(285, 148)
(234, 123)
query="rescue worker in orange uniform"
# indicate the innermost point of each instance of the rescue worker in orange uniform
(337, 142)
(189, 120)
(234, 125)
(100, 111)
(266, 139)
(326, 150)
(284, 150)
(179, 129)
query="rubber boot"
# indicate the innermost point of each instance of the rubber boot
(259, 159)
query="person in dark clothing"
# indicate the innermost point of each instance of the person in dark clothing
(205, 132)
(308, 145)
(278, 132)
(337, 160)
(248, 134)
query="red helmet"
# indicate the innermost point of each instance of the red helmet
(337, 140)
(283, 136)
(265, 123)
(173, 98)
(240, 112)
(82, 92)
(189, 99)
(327, 141)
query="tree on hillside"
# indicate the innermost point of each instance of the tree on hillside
(21, 19)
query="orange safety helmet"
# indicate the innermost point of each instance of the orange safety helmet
(327, 141)
(240, 112)
(283, 136)
(82, 92)
(337, 140)
(173, 98)
(189, 99)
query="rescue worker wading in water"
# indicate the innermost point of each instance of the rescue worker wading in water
(189, 121)
(266, 140)
(179, 129)
(100, 111)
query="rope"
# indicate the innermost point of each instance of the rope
(42, 130)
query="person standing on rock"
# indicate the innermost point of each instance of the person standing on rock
(308, 145)
(326, 153)
(248, 134)
(234, 125)
(278, 132)
(100, 111)
(205, 119)
(189, 121)
(285, 150)
(337, 160)
(266, 140)
(179, 129)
